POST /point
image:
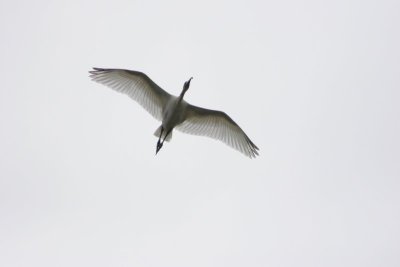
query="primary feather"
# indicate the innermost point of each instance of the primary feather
(136, 85)
(218, 125)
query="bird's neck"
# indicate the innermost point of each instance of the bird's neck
(181, 95)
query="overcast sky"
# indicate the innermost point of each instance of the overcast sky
(314, 84)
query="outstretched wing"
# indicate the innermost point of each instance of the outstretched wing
(136, 85)
(217, 125)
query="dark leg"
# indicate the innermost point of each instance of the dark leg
(159, 144)
(166, 135)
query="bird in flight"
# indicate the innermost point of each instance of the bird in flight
(174, 112)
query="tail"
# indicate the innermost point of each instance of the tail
(158, 131)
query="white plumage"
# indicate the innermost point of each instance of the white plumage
(174, 112)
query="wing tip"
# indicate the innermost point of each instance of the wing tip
(253, 149)
(253, 153)
(96, 71)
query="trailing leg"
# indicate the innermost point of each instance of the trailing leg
(159, 144)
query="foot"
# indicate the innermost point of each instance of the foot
(159, 146)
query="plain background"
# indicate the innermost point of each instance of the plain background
(315, 85)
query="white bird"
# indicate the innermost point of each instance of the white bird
(174, 112)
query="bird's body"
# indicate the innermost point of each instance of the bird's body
(173, 115)
(173, 111)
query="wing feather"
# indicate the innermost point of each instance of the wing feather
(217, 125)
(136, 85)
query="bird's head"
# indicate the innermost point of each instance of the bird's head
(186, 85)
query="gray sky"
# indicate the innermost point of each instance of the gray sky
(315, 85)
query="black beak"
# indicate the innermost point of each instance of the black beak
(188, 82)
